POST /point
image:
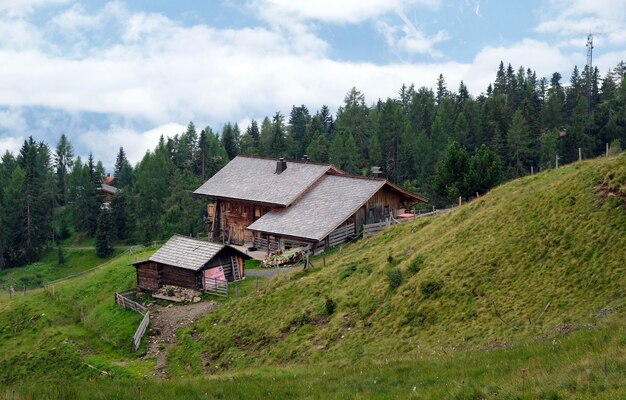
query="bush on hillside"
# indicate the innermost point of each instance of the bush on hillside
(431, 287)
(395, 278)
(416, 264)
(330, 306)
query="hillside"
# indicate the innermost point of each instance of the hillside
(529, 276)
(535, 256)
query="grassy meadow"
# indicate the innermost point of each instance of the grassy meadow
(520, 294)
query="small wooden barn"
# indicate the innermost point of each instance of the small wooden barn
(190, 263)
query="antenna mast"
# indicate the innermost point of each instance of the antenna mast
(589, 70)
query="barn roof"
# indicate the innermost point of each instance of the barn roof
(255, 179)
(326, 206)
(184, 252)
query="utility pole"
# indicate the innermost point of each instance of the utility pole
(589, 70)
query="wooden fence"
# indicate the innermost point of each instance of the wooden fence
(340, 235)
(373, 229)
(141, 330)
(123, 300)
(216, 286)
(262, 243)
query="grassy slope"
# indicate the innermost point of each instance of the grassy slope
(48, 268)
(547, 239)
(52, 334)
(533, 255)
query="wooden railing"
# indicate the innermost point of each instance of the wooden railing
(216, 286)
(141, 330)
(373, 229)
(340, 235)
(262, 243)
(123, 300)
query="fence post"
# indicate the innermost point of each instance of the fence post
(580, 154)
(607, 149)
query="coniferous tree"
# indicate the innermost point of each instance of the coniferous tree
(15, 218)
(276, 144)
(485, 171)
(34, 159)
(123, 172)
(230, 140)
(518, 142)
(548, 149)
(442, 90)
(353, 116)
(104, 234)
(121, 216)
(299, 120)
(63, 160)
(450, 178)
(151, 192)
(318, 149)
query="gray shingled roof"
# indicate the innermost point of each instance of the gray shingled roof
(188, 253)
(108, 188)
(255, 179)
(328, 204)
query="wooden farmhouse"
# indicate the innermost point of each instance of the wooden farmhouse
(271, 204)
(190, 263)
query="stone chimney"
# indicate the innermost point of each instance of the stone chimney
(281, 165)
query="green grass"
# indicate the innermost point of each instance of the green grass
(587, 363)
(514, 280)
(531, 256)
(53, 334)
(48, 268)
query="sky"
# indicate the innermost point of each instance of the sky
(113, 73)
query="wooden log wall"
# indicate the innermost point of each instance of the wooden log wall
(148, 276)
(178, 277)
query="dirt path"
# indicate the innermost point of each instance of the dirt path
(165, 321)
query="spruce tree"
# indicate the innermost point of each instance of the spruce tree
(104, 234)
(63, 163)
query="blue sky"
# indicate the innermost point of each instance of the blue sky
(116, 73)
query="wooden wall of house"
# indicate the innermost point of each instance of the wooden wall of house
(148, 276)
(384, 203)
(178, 277)
(237, 216)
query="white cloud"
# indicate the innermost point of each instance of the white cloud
(153, 70)
(76, 17)
(22, 7)
(577, 18)
(12, 120)
(19, 34)
(11, 144)
(333, 11)
(105, 144)
(408, 39)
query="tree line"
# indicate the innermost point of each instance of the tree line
(438, 142)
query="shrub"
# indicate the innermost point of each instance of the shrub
(346, 272)
(330, 306)
(390, 259)
(615, 148)
(431, 287)
(416, 264)
(394, 277)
